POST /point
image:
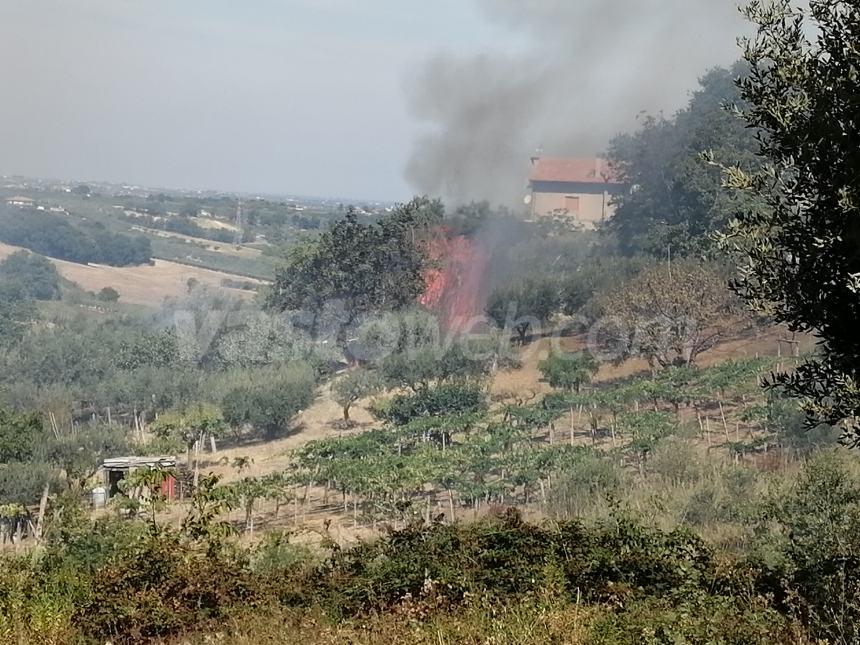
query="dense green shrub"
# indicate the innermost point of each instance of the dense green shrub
(505, 558)
(162, 586)
(568, 371)
(269, 405)
(818, 532)
(695, 618)
(108, 294)
(128, 582)
(440, 400)
(20, 436)
(29, 276)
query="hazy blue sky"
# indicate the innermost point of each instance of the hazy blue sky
(277, 96)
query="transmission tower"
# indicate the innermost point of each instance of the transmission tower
(240, 223)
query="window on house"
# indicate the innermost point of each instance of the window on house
(571, 204)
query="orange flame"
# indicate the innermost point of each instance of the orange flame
(455, 285)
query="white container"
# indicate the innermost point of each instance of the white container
(99, 497)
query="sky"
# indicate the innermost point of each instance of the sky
(306, 97)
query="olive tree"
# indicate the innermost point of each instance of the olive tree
(568, 371)
(799, 255)
(353, 386)
(520, 308)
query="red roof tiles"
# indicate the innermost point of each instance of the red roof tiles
(574, 171)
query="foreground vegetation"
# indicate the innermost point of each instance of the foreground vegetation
(618, 579)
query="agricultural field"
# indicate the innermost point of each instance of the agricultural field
(312, 448)
(189, 229)
(620, 420)
(147, 284)
(227, 419)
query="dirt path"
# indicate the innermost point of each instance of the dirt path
(314, 423)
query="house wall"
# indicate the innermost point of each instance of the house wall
(587, 203)
(593, 208)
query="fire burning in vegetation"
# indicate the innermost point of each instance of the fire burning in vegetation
(455, 284)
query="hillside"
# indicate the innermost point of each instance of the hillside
(146, 284)
(521, 385)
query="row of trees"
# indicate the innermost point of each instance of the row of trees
(54, 236)
(666, 313)
(445, 442)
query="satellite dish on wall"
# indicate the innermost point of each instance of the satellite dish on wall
(527, 200)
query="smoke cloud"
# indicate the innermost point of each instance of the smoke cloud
(583, 71)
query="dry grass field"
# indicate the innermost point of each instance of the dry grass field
(140, 285)
(208, 222)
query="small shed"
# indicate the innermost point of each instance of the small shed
(118, 468)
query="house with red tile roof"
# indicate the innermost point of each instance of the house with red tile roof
(580, 189)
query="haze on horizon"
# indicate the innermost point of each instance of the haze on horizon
(313, 97)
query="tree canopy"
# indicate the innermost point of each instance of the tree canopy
(355, 268)
(523, 306)
(568, 371)
(677, 201)
(800, 255)
(27, 276)
(669, 314)
(353, 386)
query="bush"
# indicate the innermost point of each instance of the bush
(129, 582)
(784, 416)
(594, 478)
(20, 436)
(441, 400)
(505, 558)
(676, 461)
(697, 618)
(108, 294)
(818, 521)
(270, 405)
(163, 586)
